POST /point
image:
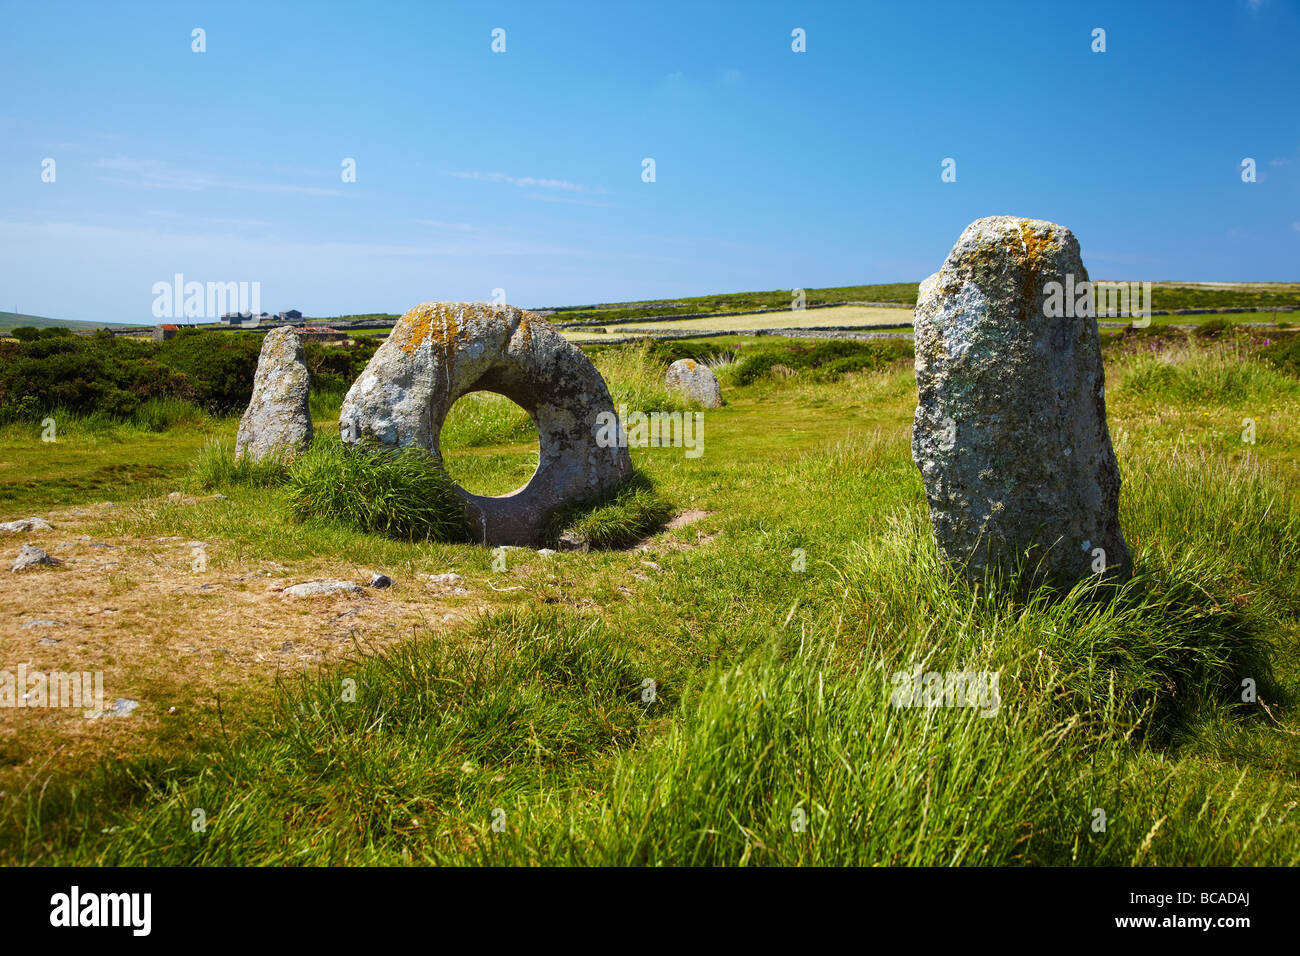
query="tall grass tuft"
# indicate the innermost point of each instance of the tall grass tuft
(402, 493)
(635, 376)
(216, 467)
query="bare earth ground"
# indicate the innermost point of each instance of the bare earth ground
(169, 632)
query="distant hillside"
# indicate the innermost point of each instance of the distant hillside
(13, 320)
(1164, 295)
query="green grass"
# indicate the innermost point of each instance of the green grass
(94, 458)
(400, 494)
(217, 469)
(732, 704)
(635, 511)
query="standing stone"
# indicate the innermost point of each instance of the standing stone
(695, 382)
(278, 418)
(439, 351)
(1010, 431)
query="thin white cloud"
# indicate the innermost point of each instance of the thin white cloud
(454, 226)
(240, 222)
(525, 181)
(540, 197)
(156, 174)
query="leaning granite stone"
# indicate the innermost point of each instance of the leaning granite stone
(1010, 431)
(695, 382)
(439, 351)
(30, 556)
(278, 418)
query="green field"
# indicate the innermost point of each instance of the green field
(720, 695)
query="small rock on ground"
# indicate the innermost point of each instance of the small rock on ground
(317, 588)
(442, 578)
(24, 524)
(30, 556)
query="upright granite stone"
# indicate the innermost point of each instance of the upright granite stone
(1010, 431)
(439, 351)
(278, 418)
(695, 382)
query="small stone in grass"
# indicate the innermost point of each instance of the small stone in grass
(573, 542)
(24, 524)
(317, 588)
(448, 578)
(30, 557)
(380, 581)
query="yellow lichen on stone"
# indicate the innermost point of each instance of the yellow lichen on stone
(429, 322)
(690, 364)
(1036, 245)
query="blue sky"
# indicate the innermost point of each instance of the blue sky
(522, 170)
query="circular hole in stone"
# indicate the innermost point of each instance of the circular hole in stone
(489, 444)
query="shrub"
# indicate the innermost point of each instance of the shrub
(218, 366)
(831, 358)
(1212, 329)
(402, 493)
(1284, 355)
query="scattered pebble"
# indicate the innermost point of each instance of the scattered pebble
(546, 552)
(447, 578)
(42, 622)
(122, 707)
